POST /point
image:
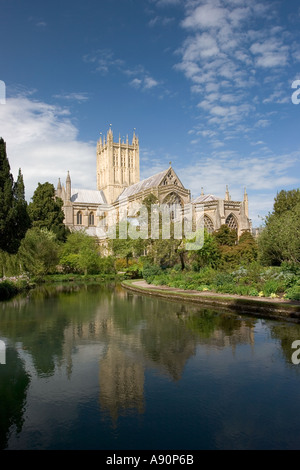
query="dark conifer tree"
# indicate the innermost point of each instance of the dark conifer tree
(45, 211)
(21, 217)
(6, 200)
(14, 220)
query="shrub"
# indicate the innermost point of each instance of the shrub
(224, 279)
(293, 293)
(150, 271)
(273, 286)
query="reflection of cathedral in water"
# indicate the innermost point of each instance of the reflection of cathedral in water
(144, 337)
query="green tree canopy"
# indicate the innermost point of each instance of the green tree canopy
(225, 236)
(280, 241)
(80, 254)
(286, 201)
(38, 252)
(45, 210)
(14, 220)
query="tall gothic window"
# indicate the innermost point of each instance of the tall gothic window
(91, 218)
(208, 224)
(174, 203)
(79, 218)
(231, 222)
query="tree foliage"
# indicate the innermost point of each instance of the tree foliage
(45, 210)
(279, 241)
(80, 254)
(286, 201)
(38, 252)
(14, 220)
(225, 236)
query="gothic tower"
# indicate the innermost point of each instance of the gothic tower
(118, 165)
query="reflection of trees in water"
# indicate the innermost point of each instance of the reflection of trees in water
(218, 328)
(286, 334)
(41, 317)
(14, 382)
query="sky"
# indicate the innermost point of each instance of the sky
(210, 85)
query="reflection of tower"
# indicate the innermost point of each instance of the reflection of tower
(121, 380)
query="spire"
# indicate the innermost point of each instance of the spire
(246, 205)
(227, 195)
(109, 134)
(68, 187)
(59, 189)
(202, 192)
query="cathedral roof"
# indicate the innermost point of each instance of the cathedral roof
(88, 196)
(205, 198)
(147, 183)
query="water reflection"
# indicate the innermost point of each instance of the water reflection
(70, 328)
(14, 381)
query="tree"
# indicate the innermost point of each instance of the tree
(21, 217)
(225, 236)
(208, 255)
(286, 201)
(279, 241)
(38, 252)
(80, 254)
(247, 249)
(14, 220)
(45, 211)
(122, 248)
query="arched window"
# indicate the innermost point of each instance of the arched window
(91, 218)
(175, 205)
(79, 218)
(208, 224)
(231, 222)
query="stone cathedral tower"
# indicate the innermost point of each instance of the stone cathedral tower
(117, 165)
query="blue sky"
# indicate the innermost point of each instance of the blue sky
(206, 84)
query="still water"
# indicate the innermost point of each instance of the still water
(97, 367)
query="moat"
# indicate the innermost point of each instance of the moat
(98, 367)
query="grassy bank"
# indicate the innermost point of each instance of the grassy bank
(253, 280)
(275, 309)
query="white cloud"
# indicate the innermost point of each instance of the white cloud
(205, 16)
(149, 82)
(42, 140)
(136, 83)
(104, 62)
(227, 55)
(75, 96)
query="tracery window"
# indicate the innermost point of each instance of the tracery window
(174, 203)
(231, 222)
(208, 224)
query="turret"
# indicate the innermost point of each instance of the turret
(68, 187)
(227, 195)
(59, 189)
(246, 205)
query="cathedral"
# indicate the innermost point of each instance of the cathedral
(118, 179)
